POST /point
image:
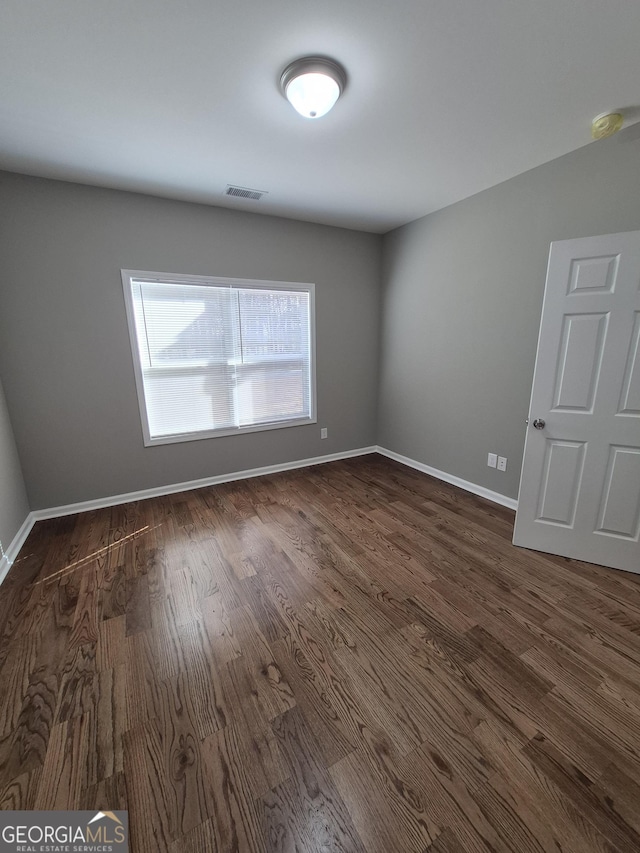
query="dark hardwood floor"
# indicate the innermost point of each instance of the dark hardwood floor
(347, 657)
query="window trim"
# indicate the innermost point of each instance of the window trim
(215, 281)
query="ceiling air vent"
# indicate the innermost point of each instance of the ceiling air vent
(244, 192)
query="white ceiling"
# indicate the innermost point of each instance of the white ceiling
(180, 97)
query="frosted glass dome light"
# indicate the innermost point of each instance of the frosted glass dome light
(313, 95)
(312, 85)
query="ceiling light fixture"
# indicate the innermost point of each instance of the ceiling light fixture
(313, 84)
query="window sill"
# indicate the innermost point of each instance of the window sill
(220, 433)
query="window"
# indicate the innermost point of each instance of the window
(219, 356)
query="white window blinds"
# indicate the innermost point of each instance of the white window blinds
(216, 356)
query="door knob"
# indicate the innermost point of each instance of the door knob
(538, 423)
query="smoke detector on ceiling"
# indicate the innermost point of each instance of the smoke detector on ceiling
(244, 192)
(606, 124)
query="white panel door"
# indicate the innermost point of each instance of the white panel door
(580, 484)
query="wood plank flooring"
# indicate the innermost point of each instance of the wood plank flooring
(350, 657)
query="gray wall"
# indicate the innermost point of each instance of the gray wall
(461, 300)
(14, 506)
(64, 347)
(462, 296)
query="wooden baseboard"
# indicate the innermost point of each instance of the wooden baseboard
(496, 497)
(15, 545)
(159, 491)
(113, 500)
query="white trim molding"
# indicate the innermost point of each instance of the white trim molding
(159, 491)
(15, 545)
(496, 497)
(114, 500)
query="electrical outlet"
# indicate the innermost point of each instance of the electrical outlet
(492, 460)
(323, 432)
(502, 463)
